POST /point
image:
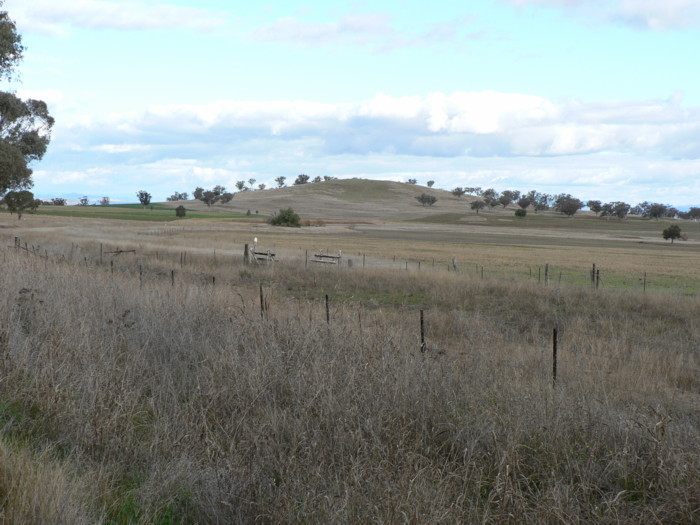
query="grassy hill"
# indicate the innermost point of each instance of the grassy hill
(349, 199)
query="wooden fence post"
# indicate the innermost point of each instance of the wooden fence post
(423, 346)
(328, 312)
(546, 274)
(554, 357)
(172, 277)
(262, 303)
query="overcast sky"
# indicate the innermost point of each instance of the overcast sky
(597, 98)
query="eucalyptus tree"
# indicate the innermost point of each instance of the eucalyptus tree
(25, 125)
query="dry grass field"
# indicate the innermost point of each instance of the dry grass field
(153, 388)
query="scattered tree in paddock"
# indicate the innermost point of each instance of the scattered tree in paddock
(524, 202)
(58, 201)
(240, 185)
(615, 209)
(226, 197)
(412, 181)
(508, 196)
(522, 212)
(19, 201)
(218, 190)
(672, 232)
(426, 200)
(317, 178)
(458, 191)
(144, 197)
(477, 205)
(566, 204)
(595, 206)
(104, 201)
(180, 211)
(280, 181)
(430, 183)
(301, 179)
(179, 196)
(262, 186)
(83, 201)
(198, 193)
(209, 198)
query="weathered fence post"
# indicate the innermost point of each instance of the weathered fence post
(100, 254)
(262, 303)
(554, 357)
(546, 274)
(140, 276)
(593, 276)
(597, 278)
(454, 265)
(246, 255)
(111, 266)
(364, 255)
(423, 347)
(18, 243)
(328, 312)
(644, 289)
(172, 277)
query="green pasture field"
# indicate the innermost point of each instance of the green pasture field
(133, 212)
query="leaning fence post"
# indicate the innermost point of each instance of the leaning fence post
(554, 357)
(423, 347)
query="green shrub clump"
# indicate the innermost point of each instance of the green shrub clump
(520, 213)
(286, 217)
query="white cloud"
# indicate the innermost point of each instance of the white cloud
(505, 140)
(647, 14)
(371, 30)
(481, 123)
(56, 17)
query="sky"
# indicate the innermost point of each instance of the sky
(596, 98)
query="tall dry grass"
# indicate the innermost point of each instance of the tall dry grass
(180, 404)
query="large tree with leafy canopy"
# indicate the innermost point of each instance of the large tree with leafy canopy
(25, 125)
